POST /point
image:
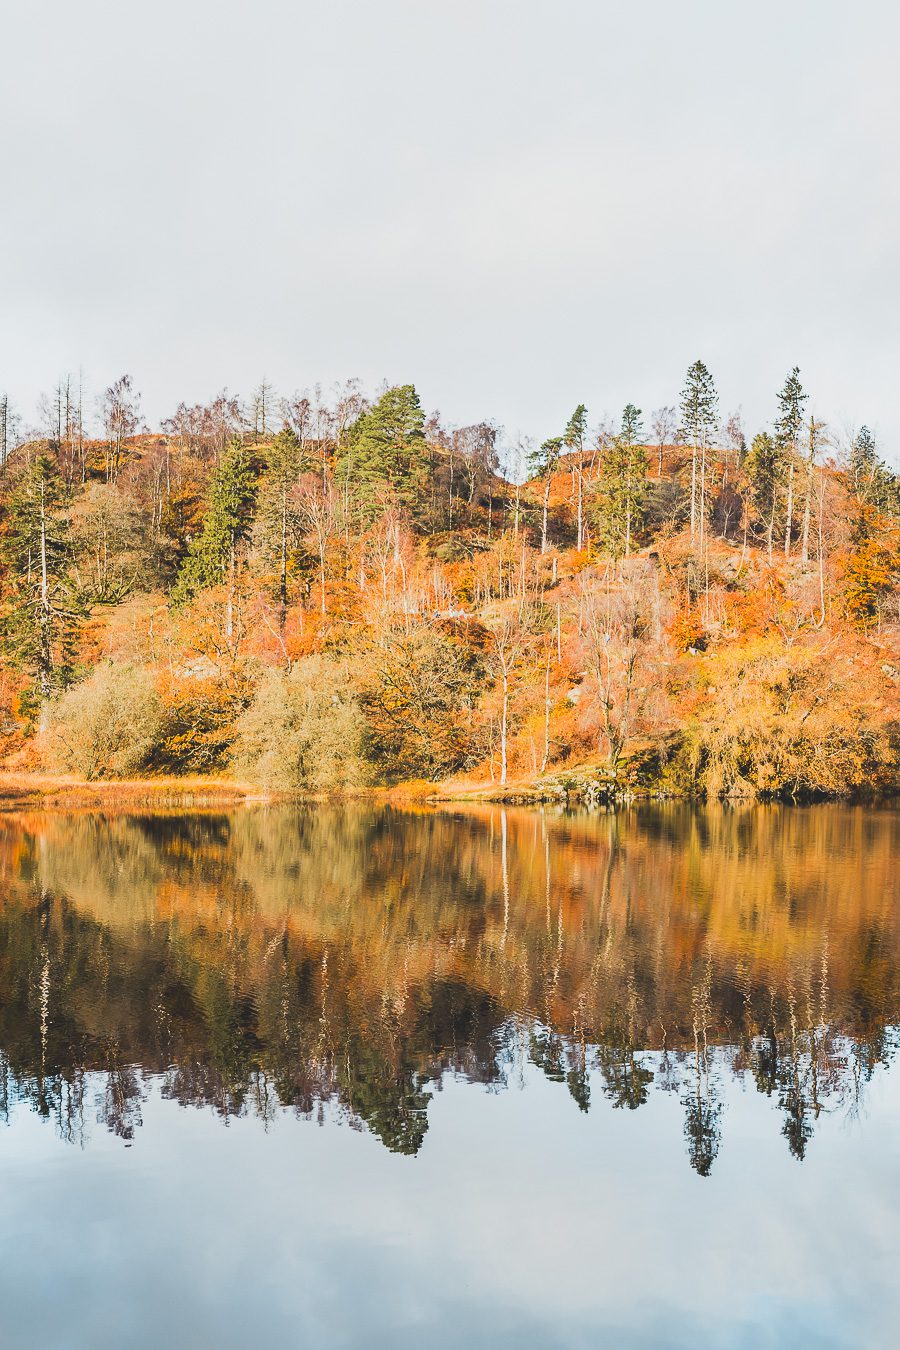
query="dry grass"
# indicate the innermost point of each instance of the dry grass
(24, 788)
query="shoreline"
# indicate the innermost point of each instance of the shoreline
(587, 787)
(35, 789)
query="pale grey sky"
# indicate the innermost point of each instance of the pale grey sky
(516, 204)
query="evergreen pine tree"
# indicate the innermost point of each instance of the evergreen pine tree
(573, 439)
(699, 419)
(285, 461)
(764, 470)
(212, 559)
(383, 455)
(622, 486)
(872, 481)
(542, 463)
(788, 425)
(863, 459)
(41, 614)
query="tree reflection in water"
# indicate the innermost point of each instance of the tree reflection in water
(340, 961)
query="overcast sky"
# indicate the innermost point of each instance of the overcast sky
(516, 204)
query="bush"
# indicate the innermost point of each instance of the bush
(795, 724)
(688, 632)
(105, 727)
(199, 725)
(419, 706)
(302, 732)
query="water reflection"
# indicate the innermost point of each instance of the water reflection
(341, 962)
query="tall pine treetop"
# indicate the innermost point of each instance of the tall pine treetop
(34, 507)
(229, 516)
(791, 402)
(576, 428)
(545, 458)
(632, 426)
(385, 448)
(864, 455)
(699, 405)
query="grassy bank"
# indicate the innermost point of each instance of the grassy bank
(41, 789)
(676, 769)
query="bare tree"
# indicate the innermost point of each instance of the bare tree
(623, 645)
(664, 425)
(476, 453)
(509, 641)
(297, 413)
(262, 408)
(318, 509)
(121, 419)
(815, 438)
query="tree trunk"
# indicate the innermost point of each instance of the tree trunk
(821, 558)
(771, 531)
(503, 725)
(283, 586)
(546, 758)
(45, 659)
(544, 520)
(521, 583)
(804, 552)
(789, 514)
(229, 601)
(322, 575)
(580, 500)
(807, 503)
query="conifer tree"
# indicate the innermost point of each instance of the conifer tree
(4, 428)
(871, 479)
(573, 439)
(542, 463)
(764, 471)
(622, 485)
(788, 425)
(212, 559)
(384, 452)
(40, 615)
(285, 461)
(699, 419)
(863, 459)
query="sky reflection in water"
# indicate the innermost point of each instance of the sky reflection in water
(613, 1080)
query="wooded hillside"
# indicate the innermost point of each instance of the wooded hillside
(324, 595)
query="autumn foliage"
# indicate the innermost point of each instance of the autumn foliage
(348, 594)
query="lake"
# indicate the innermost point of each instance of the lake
(484, 1077)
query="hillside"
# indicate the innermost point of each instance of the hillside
(355, 596)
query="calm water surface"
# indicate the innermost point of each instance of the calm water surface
(356, 1077)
